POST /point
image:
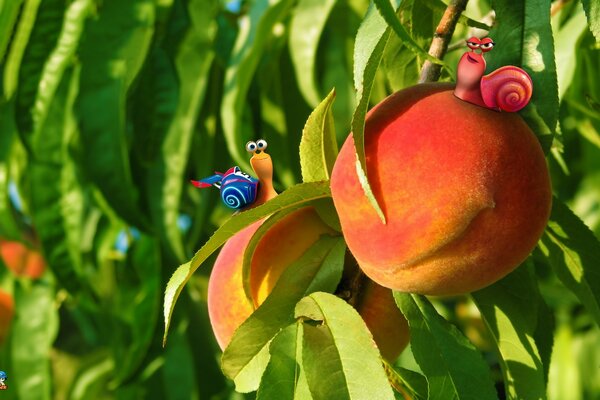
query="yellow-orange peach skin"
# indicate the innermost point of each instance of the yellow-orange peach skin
(465, 191)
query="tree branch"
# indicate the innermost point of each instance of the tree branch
(441, 38)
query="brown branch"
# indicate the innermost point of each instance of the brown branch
(439, 45)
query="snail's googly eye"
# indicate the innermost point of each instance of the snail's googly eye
(473, 45)
(261, 144)
(251, 147)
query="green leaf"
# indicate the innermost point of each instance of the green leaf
(403, 380)
(34, 331)
(18, 46)
(592, 11)
(284, 377)
(389, 14)
(135, 306)
(8, 225)
(453, 367)
(573, 252)
(57, 210)
(509, 309)
(60, 57)
(9, 11)
(42, 41)
(292, 197)
(166, 177)
(339, 355)
(274, 127)
(438, 5)
(318, 147)
(257, 29)
(566, 52)
(318, 269)
(369, 46)
(524, 38)
(112, 51)
(306, 29)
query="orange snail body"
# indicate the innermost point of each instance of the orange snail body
(508, 88)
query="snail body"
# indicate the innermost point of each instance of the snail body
(508, 88)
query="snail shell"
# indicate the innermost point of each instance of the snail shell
(508, 88)
(238, 195)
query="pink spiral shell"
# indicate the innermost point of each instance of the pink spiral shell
(508, 88)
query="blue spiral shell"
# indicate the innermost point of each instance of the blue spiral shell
(238, 189)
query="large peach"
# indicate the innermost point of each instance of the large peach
(7, 311)
(22, 260)
(465, 191)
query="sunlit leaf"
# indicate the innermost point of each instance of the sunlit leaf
(318, 148)
(339, 355)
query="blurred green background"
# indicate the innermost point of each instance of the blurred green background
(109, 107)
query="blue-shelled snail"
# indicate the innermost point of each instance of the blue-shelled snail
(240, 190)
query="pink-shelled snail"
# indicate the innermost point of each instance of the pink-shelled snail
(508, 88)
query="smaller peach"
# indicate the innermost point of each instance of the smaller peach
(7, 311)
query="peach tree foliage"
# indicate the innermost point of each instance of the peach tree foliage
(108, 108)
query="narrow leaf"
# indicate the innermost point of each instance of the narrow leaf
(9, 11)
(17, 47)
(112, 51)
(165, 178)
(592, 11)
(387, 12)
(318, 147)
(306, 29)
(573, 252)
(257, 28)
(320, 268)
(284, 377)
(57, 209)
(453, 367)
(339, 355)
(292, 197)
(35, 326)
(60, 57)
(510, 311)
(369, 46)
